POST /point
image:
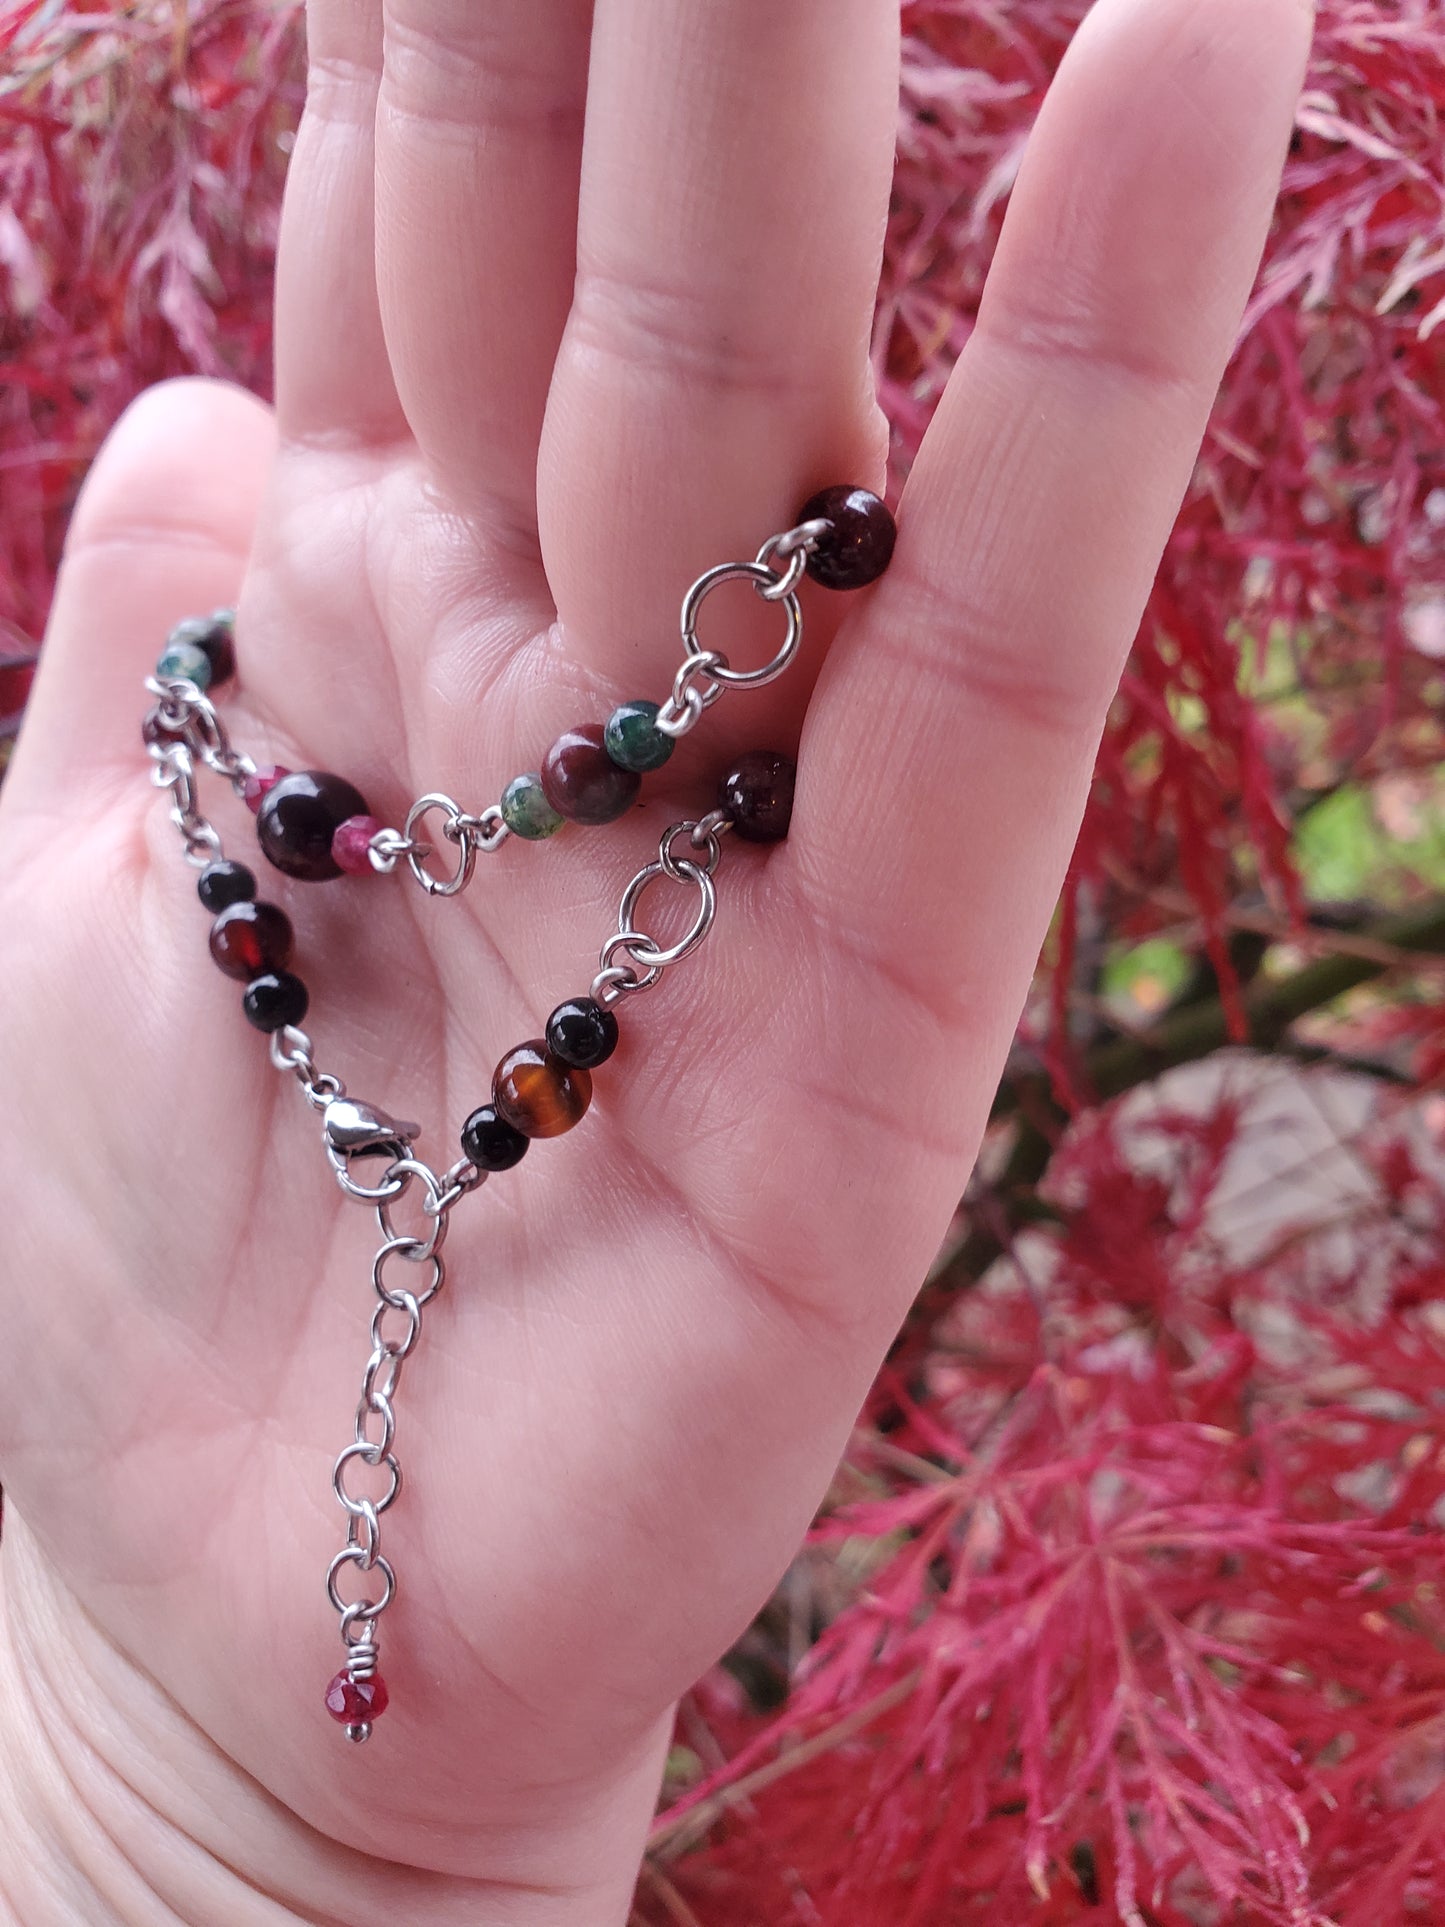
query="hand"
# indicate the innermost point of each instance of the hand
(467, 526)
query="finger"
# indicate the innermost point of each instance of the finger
(479, 146)
(714, 371)
(948, 751)
(161, 531)
(333, 372)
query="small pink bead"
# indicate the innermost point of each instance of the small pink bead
(353, 1700)
(256, 786)
(351, 845)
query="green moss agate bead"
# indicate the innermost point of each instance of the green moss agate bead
(185, 659)
(633, 739)
(526, 811)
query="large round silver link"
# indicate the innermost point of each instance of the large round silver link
(401, 1248)
(652, 954)
(360, 1609)
(374, 1461)
(455, 832)
(763, 579)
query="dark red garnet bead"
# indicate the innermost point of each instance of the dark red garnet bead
(274, 1000)
(298, 818)
(490, 1142)
(356, 1702)
(221, 884)
(581, 781)
(249, 939)
(582, 1033)
(757, 794)
(859, 544)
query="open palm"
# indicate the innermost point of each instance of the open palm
(515, 418)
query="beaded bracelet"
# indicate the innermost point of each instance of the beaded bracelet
(312, 825)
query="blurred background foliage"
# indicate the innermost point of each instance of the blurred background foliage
(1127, 1603)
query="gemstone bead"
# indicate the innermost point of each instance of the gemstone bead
(249, 939)
(757, 794)
(274, 1000)
(582, 782)
(526, 811)
(259, 785)
(185, 659)
(859, 544)
(299, 816)
(213, 636)
(351, 845)
(490, 1142)
(355, 1702)
(633, 740)
(221, 884)
(536, 1094)
(582, 1033)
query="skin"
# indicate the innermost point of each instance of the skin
(553, 337)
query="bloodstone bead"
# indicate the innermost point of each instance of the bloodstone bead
(222, 884)
(212, 635)
(355, 1702)
(633, 740)
(298, 818)
(250, 939)
(526, 811)
(274, 1000)
(582, 1033)
(536, 1094)
(259, 785)
(490, 1142)
(859, 543)
(582, 782)
(757, 794)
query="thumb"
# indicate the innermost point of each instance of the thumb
(161, 530)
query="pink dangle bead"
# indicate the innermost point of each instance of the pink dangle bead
(356, 1702)
(351, 845)
(259, 784)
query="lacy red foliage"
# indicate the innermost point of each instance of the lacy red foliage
(1128, 1604)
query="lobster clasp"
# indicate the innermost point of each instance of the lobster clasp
(355, 1130)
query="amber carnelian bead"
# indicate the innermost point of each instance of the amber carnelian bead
(298, 818)
(581, 781)
(859, 544)
(536, 1094)
(757, 794)
(582, 1033)
(249, 939)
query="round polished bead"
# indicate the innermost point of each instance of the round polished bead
(490, 1142)
(259, 785)
(757, 795)
(274, 1000)
(221, 884)
(582, 1033)
(633, 740)
(187, 660)
(536, 1094)
(859, 543)
(355, 1702)
(581, 780)
(249, 939)
(351, 845)
(526, 811)
(298, 818)
(214, 636)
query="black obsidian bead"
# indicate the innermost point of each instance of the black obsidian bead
(251, 939)
(859, 544)
(274, 1000)
(757, 794)
(222, 884)
(490, 1142)
(298, 818)
(582, 1033)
